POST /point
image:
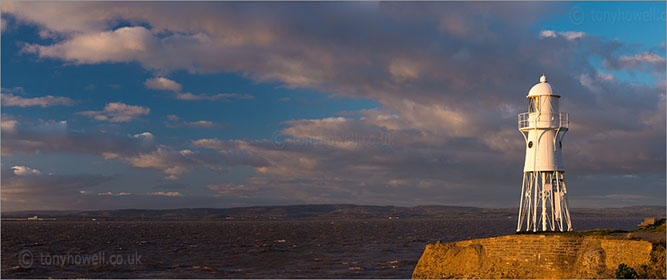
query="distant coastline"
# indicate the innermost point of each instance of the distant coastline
(319, 212)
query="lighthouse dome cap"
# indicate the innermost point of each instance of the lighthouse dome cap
(542, 88)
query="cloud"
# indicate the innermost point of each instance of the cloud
(114, 194)
(109, 46)
(225, 97)
(644, 60)
(162, 83)
(211, 143)
(146, 136)
(569, 35)
(139, 150)
(117, 112)
(172, 194)
(167, 193)
(24, 170)
(56, 136)
(404, 70)
(37, 191)
(201, 124)
(234, 190)
(448, 88)
(174, 121)
(9, 99)
(8, 125)
(170, 161)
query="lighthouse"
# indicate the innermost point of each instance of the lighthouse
(543, 204)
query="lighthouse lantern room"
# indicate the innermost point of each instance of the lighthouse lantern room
(543, 204)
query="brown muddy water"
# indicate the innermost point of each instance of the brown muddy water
(231, 249)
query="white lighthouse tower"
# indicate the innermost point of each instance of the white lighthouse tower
(543, 205)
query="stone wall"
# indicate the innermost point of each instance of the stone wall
(532, 256)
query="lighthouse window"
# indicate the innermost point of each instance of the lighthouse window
(534, 104)
(530, 144)
(560, 144)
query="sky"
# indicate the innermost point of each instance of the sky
(112, 105)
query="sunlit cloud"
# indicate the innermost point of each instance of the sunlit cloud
(167, 193)
(163, 83)
(9, 99)
(117, 112)
(215, 97)
(24, 170)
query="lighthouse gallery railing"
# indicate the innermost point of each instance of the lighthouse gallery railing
(537, 120)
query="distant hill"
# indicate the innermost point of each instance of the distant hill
(325, 212)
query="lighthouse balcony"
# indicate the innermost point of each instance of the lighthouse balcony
(538, 120)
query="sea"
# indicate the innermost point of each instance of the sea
(238, 249)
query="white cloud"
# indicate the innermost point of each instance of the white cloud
(569, 35)
(643, 57)
(176, 122)
(108, 46)
(171, 177)
(147, 138)
(24, 170)
(547, 34)
(117, 112)
(216, 97)
(9, 99)
(638, 61)
(201, 124)
(167, 194)
(162, 83)
(212, 143)
(596, 82)
(144, 135)
(172, 162)
(114, 194)
(8, 126)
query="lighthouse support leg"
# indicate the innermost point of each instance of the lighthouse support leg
(528, 200)
(559, 201)
(523, 197)
(543, 196)
(567, 211)
(552, 204)
(536, 195)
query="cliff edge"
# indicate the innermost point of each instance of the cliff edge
(550, 255)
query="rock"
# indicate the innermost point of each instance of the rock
(532, 256)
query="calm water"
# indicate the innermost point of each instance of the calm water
(281, 249)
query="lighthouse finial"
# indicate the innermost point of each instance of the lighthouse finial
(543, 79)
